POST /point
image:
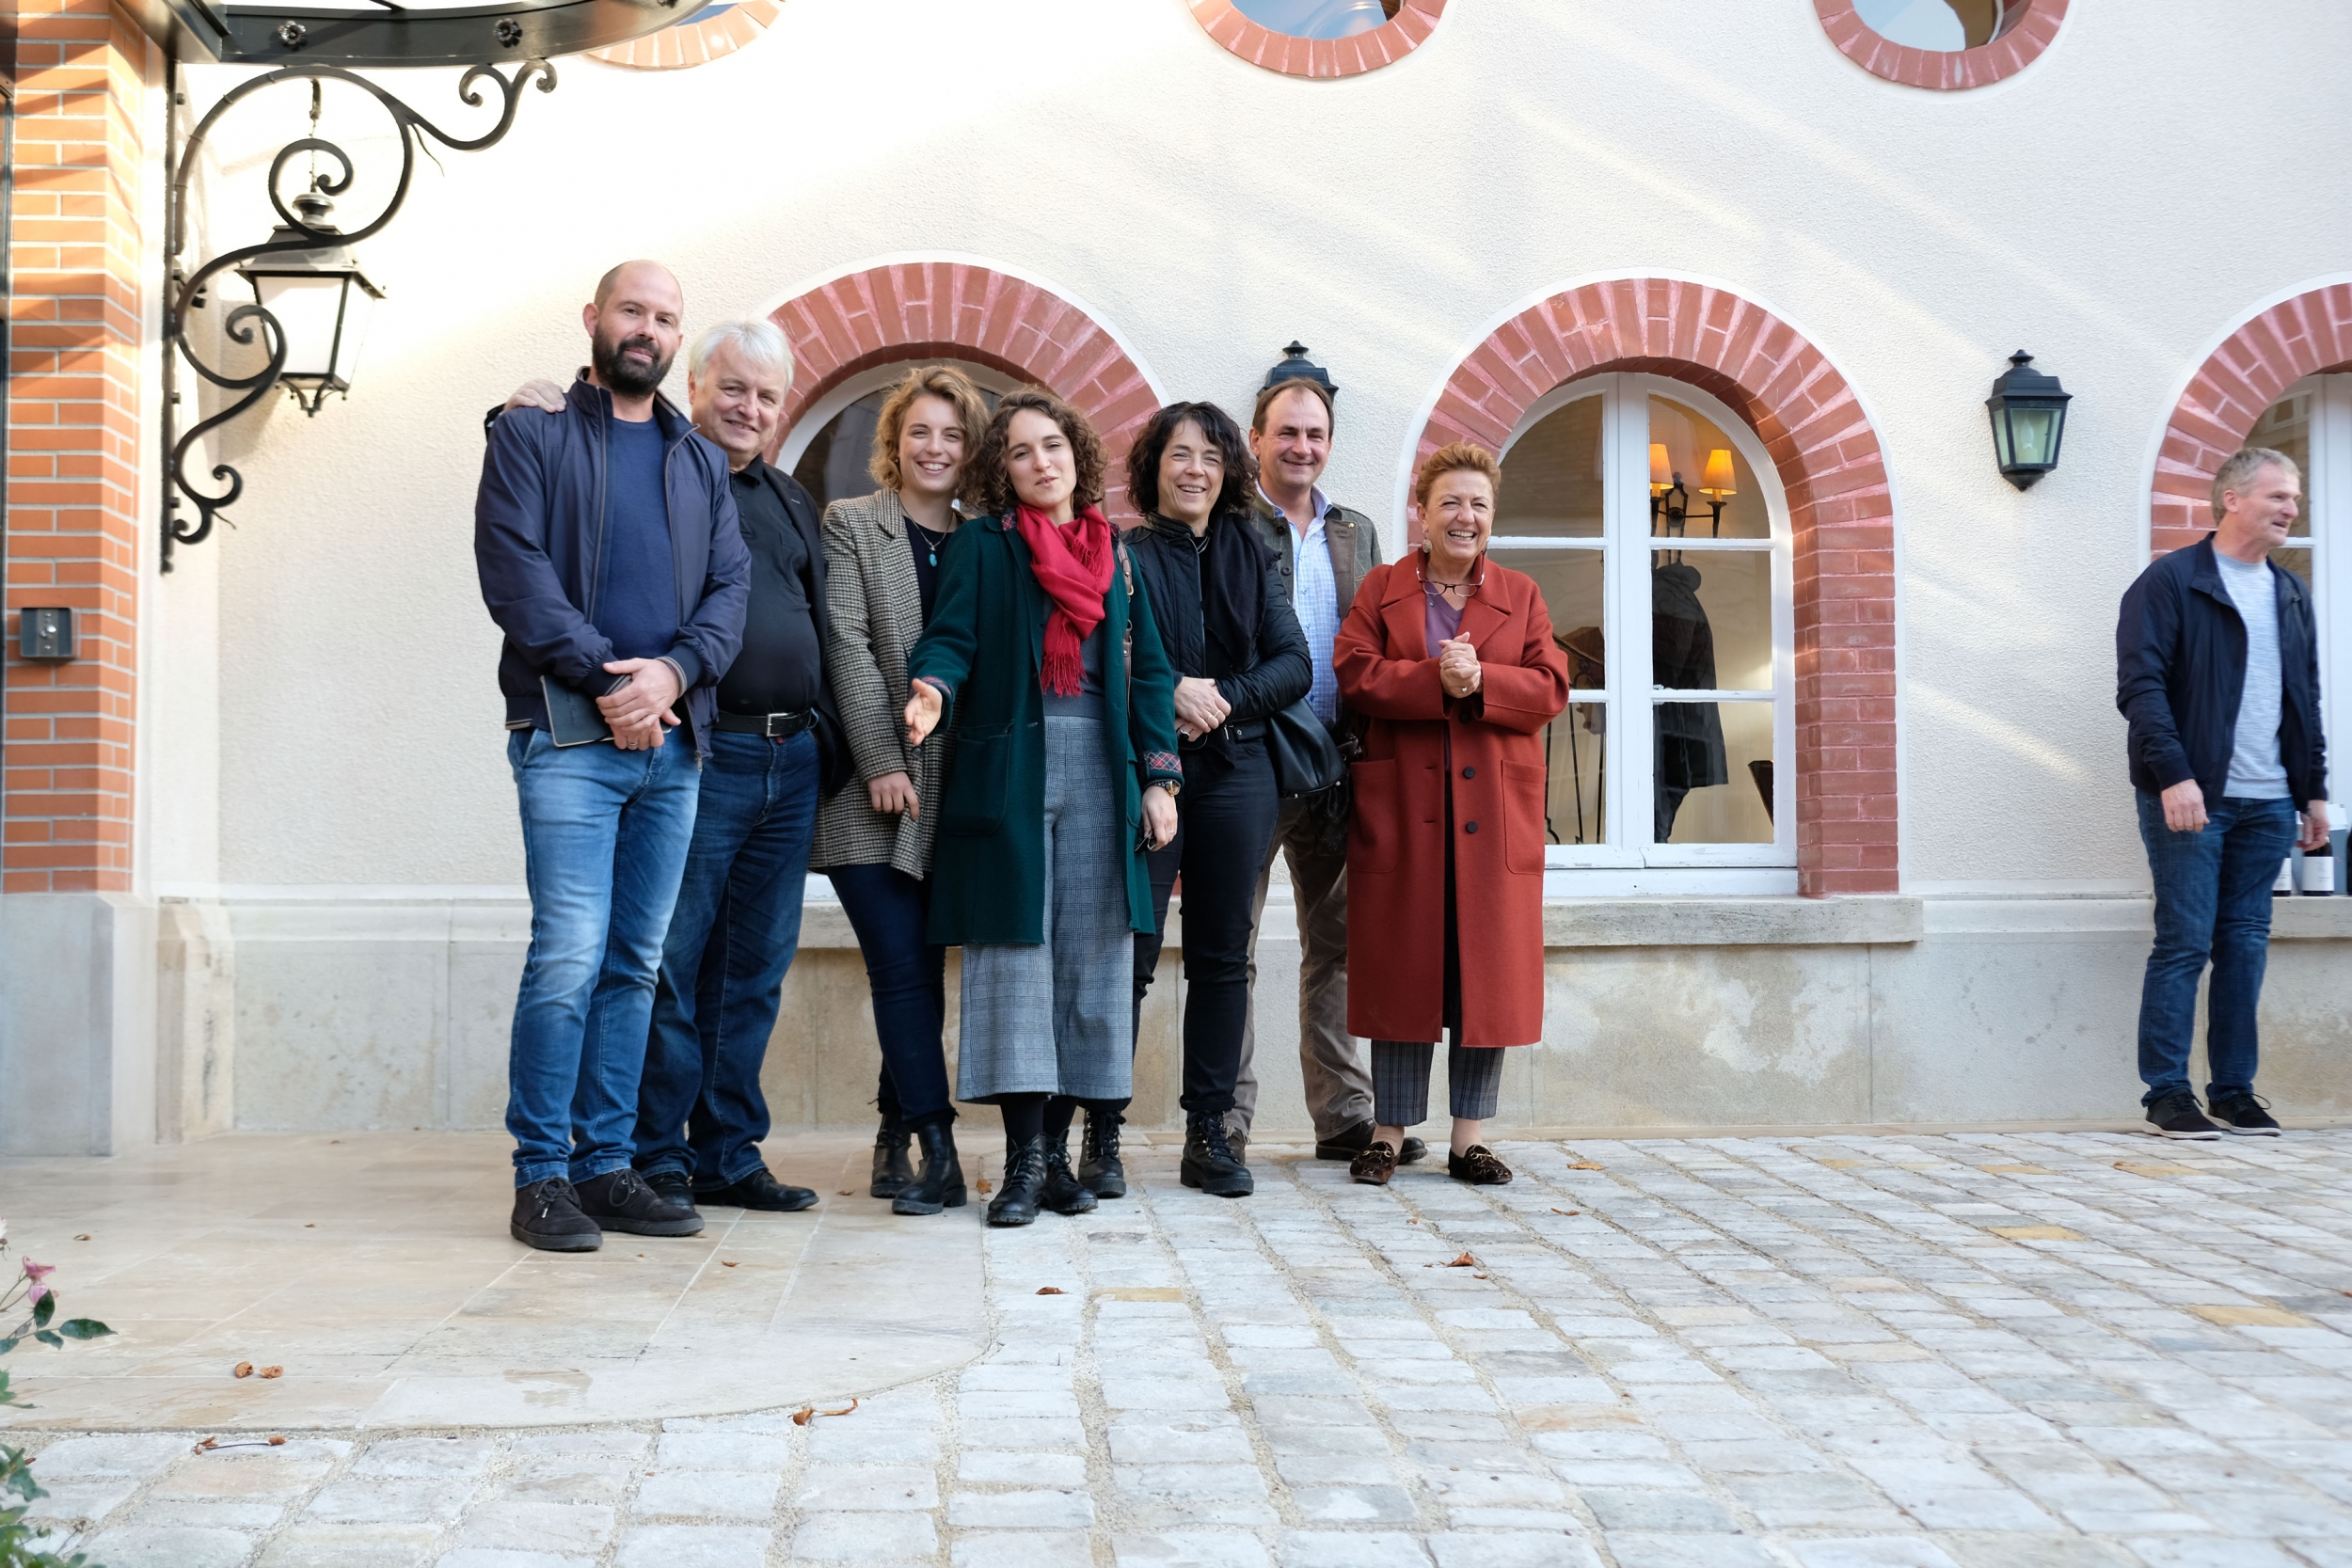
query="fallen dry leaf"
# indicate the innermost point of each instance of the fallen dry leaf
(1567, 1210)
(272, 1371)
(311, 1226)
(243, 1368)
(1465, 1261)
(277, 1442)
(725, 1264)
(982, 1184)
(1587, 1165)
(846, 1193)
(208, 1444)
(83, 1237)
(808, 1413)
(1051, 1290)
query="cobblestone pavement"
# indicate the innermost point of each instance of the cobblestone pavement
(2031, 1351)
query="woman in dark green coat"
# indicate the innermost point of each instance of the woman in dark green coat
(1065, 773)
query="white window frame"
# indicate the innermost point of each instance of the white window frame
(2327, 521)
(1630, 862)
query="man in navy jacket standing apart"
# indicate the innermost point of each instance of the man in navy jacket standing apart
(2218, 670)
(609, 554)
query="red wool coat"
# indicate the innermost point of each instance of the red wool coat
(1396, 845)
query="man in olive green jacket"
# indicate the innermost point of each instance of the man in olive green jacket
(1324, 552)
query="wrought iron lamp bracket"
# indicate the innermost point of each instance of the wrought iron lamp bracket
(249, 322)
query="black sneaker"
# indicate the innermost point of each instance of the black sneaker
(620, 1201)
(672, 1187)
(2246, 1114)
(762, 1191)
(2176, 1116)
(1099, 1169)
(547, 1216)
(1351, 1141)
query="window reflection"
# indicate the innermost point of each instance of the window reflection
(1700, 486)
(1941, 26)
(1318, 18)
(1577, 746)
(1714, 765)
(1552, 484)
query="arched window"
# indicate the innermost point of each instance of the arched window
(1653, 520)
(2312, 424)
(828, 447)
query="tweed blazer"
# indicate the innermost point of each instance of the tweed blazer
(877, 609)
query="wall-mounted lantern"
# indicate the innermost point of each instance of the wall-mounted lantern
(1294, 366)
(319, 298)
(2028, 411)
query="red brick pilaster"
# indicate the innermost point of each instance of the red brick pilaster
(1839, 510)
(916, 310)
(75, 531)
(2304, 336)
(2026, 29)
(1403, 32)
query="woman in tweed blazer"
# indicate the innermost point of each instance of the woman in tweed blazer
(874, 837)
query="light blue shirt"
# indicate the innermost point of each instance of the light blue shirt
(1315, 597)
(2256, 772)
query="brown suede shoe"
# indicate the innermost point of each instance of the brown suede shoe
(1478, 1166)
(1374, 1165)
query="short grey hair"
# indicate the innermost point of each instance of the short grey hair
(758, 343)
(2239, 469)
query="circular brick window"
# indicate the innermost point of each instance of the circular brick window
(709, 33)
(1943, 45)
(1319, 37)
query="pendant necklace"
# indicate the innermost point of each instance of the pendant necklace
(929, 538)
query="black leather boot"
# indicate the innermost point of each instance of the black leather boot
(1209, 1160)
(940, 1183)
(891, 1170)
(1099, 1169)
(1015, 1202)
(1064, 1194)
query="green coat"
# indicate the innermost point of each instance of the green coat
(984, 643)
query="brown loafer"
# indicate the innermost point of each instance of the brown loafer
(1478, 1166)
(1374, 1165)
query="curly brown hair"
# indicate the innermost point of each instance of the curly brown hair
(945, 382)
(987, 484)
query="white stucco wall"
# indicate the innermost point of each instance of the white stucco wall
(1208, 212)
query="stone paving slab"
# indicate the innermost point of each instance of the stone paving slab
(1967, 1350)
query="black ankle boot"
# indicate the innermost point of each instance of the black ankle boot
(1099, 1169)
(940, 1184)
(1209, 1162)
(1015, 1202)
(891, 1170)
(1064, 1193)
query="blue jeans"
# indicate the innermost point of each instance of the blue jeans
(604, 841)
(887, 908)
(701, 1111)
(2213, 900)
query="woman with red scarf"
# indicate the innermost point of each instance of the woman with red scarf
(1041, 650)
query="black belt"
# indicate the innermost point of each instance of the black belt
(775, 726)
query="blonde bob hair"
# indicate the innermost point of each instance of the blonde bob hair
(924, 381)
(1456, 457)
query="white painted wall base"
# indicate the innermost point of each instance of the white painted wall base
(77, 1023)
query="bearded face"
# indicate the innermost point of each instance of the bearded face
(627, 360)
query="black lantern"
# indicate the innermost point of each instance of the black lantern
(2028, 412)
(1295, 367)
(320, 299)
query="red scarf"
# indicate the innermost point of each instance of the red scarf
(1072, 563)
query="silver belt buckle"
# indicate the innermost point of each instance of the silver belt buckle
(769, 724)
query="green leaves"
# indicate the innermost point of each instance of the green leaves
(45, 1310)
(83, 1328)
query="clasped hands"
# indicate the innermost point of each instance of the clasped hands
(639, 711)
(1458, 668)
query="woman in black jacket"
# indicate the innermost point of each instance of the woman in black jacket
(1240, 657)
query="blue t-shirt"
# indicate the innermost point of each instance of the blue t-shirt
(637, 586)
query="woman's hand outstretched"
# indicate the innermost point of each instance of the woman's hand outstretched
(923, 710)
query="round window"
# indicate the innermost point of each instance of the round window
(1939, 26)
(1319, 19)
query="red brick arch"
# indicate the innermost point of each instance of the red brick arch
(914, 310)
(1839, 510)
(2027, 30)
(1394, 39)
(2304, 336)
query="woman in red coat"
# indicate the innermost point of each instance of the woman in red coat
(1450, 659)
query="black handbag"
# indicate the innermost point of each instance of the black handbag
(1307, 759)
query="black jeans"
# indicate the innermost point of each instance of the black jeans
(886, 908)
(1224, 821)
